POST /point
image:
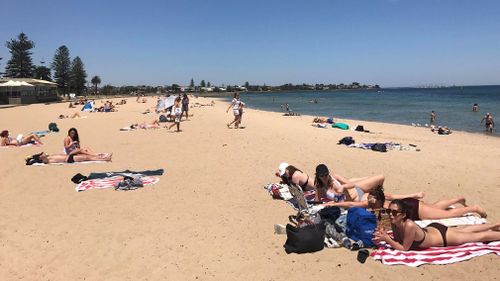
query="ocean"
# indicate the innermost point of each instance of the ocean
(453, 106)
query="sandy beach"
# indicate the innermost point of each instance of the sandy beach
(209, 217)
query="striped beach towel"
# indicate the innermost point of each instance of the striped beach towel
(111, 182)
(436, 255)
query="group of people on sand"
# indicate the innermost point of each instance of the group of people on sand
(333, 189)
(74, 152)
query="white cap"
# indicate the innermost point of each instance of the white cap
(282, 167)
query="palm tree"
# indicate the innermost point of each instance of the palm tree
(96, 80)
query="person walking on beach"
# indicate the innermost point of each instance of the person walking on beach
(433, 118)
(237, 106)
(489, 124)
(185, 105)
(177, 109)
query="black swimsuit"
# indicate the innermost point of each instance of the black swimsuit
(441, 228)
(303, 186)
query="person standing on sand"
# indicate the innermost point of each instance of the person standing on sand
(177, 109)
(237, 106)
(433, 118)
(185, 105)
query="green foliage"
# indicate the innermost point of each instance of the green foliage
(191, 84)
(247, 84)
(96, 80)
(208, 84)
(20, 64)
(42, 72)
(61, 65)
(202, 83)
(78, 76)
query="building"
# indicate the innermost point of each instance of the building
(26, 91)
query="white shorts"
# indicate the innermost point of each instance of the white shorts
(236, 112)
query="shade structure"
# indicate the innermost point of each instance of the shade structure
(12, 83)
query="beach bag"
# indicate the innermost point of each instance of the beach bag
(360, 225)
(163, 118)
(78, 178)
(379, 147)
(342, 126)
(330, 214)
(346, 141)
(53, 127)
(360, 128)
(307, 239)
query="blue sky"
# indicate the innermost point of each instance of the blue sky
(386, 42)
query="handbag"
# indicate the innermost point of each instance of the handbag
(307, 239)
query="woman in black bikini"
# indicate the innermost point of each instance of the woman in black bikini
(424, 211)
(410, 236)
(290, 174)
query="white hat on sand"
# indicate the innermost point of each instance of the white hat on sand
(282, 167)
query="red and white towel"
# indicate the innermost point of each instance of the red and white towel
(111, 182)
(436, 255)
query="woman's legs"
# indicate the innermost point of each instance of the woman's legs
(369, 183)
(430, 212)
(457, 237)
(417, 195)
(236, 117)
(479, 227)
(444, 204)
(31, 137)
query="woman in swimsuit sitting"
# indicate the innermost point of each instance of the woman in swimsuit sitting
(423, 211)
(337, 188)
(291, 175)
(6, 140)
(61, 158)
(72, 144)
(410, 236)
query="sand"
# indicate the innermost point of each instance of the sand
(209, 217)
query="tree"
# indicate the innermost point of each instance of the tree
(61, 65)
(247, 84)
(202, 83)
(78, 76)
(191, 84)
(20, 64)
(42, 72)
(96, 80)
(208, 84)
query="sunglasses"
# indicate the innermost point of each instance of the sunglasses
(392, 212)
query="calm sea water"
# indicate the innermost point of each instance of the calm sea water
(453, 106)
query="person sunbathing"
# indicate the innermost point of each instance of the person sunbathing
(291, 175)
(61, 158)
(73, 116)
(6, 140)
(410, 236)
(322, 120)
(423, 211)
(335, 187)
(72, 144)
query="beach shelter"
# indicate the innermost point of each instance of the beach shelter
(15, 84)
(89, 106)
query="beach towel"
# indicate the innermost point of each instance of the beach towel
(341, 126)
(465, 220)
(436, 255)
(111, 182)
(74, 163)
(24, 145)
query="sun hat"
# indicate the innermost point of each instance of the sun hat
(282, 167)
(322, 170)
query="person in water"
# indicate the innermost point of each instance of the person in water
(409, 236)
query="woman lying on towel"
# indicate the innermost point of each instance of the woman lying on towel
(61, 158)
(424, 211)
(337, 188)
(6, 140)
(155, 124)
(322, 120)
(410, 236)
(291, 175)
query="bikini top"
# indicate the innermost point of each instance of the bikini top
(416, 244)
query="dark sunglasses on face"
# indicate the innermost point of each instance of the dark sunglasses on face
(392, 212)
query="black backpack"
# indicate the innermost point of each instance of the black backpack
(379, 147)
(307, 239)
(346, 141)
(53, 127)
(163, 118)
(360, 128)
